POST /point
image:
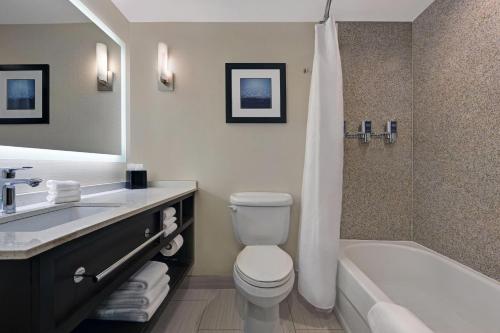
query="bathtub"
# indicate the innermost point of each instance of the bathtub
(449, 297)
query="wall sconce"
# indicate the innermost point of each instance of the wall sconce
(104, 76)
(165, 75)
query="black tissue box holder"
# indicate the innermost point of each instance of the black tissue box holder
(136, 179)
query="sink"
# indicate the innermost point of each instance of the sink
(42, 219)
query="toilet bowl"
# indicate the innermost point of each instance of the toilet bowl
(263, 273)
(264, 276)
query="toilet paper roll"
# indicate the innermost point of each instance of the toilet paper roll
(174, 246)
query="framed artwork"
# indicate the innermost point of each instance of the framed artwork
(24, 94)
(256, 93)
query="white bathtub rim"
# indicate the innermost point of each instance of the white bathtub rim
(416, 247)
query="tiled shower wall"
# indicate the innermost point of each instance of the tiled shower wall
(377, 64)
(456, 61)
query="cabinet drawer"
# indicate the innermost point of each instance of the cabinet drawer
(96, 253)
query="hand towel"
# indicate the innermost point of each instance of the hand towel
(170, 229)
(65, 197)
(168, 222)
(59, 185)
(391, 318)
(146, 277)
(168, 213)
(132, 314)
(126, 299)
(174, 246)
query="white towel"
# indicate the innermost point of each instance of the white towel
(64, 197)
(174, 246)
(134, 299)
(146, 277)
(170, 229)
(168, 213)
(59, 185)
(168, 222)
(391, 318)
(132, 314)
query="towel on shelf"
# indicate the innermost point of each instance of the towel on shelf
(170, 229)
(133, 313)
(146, 277)
(168, 222)
(66, 196)
(60, 185)
(168, 213)
(174, 246)
(386, 317)
(134, 299)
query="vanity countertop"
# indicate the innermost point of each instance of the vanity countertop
(26, 244)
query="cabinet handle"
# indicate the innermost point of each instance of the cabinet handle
(126, 257)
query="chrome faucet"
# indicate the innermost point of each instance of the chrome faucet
(8, 188)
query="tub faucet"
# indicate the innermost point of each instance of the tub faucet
(8, 184)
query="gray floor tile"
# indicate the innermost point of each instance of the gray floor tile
(222, 313)
(181, 317)
(306, 318)
(195, 294)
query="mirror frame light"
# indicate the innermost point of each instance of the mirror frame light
(23, 153)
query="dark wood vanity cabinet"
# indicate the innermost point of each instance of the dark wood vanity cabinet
(41, 295)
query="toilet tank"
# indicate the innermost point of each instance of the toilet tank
(261, 218)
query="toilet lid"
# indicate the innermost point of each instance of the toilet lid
(264, 265)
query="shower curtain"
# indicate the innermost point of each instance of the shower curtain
(322, 178)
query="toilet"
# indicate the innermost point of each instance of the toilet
(263, 273)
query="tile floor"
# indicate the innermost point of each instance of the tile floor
(216, 311)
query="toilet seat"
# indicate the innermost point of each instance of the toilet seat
(264, 266)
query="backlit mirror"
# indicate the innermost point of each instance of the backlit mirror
(60, 79)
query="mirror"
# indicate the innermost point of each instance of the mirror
(57, 89)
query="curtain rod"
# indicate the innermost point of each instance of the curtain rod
(327, 11)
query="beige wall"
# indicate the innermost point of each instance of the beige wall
(457, 119)
(87, 172)
(377, 71)
(183, 134)
(81, 118)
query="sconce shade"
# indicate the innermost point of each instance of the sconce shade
(165, 75)
(104, 77)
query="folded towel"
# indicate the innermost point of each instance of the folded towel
(62, 184)
(170, 229)
(61, 198)
(65, 193)
(168, 213)
(391, 318)
(168, 222)
(125, 299)
(174, 246)
(146, 277)
(132, 314)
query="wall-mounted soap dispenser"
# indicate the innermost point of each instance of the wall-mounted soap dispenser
(391, 131)
(366, 131)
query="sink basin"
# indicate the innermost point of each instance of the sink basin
(47, 218)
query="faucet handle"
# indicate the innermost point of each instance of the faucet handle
(11, 172)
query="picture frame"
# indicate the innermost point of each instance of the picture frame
(24, 94)
(255, 93)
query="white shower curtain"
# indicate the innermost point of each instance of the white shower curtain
(322, 179)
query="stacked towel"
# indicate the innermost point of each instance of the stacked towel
(63, 191)
(138, 298)
(391, 318)
(169, 220)
(174, 246)
(168, 213)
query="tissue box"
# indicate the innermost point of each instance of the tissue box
(136, 179)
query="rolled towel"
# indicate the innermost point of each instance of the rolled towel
(391, 318)
(59, 185)
(170, 229)
(174, 246)
(64, 197)
(168, 222)
(146, 277)
(126, 299)
(132, 313)
(168, 213)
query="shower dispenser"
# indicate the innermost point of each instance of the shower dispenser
(365, 133)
